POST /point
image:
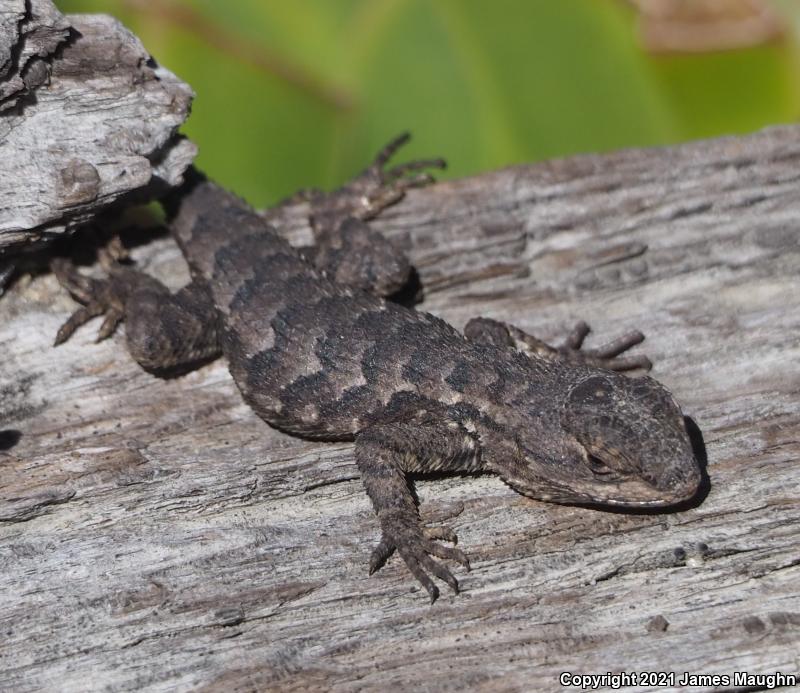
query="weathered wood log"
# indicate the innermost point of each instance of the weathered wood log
(155, 534)
(82, 128)
(30, 33)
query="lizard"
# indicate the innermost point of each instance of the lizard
(318, 351)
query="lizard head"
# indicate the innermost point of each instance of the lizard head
(615, 440)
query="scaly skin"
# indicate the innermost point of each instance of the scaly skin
(317, 356)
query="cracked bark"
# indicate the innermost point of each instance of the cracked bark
(157, 535)
(86, 119)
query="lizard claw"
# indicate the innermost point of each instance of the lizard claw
(416, 546)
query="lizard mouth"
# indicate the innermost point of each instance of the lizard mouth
(632, 493)
(599, 475)
(615, 486)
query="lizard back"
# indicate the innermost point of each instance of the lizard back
(311, 356)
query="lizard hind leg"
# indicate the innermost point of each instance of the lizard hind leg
(487, 331)
(345, 247)
(385, 187)
(372, 191)
(361, 257)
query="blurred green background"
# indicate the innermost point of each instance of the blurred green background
(300, 93)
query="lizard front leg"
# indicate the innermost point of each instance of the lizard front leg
(487, 331)
(385, 453)
(166, 333)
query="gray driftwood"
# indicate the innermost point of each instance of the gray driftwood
(30, 33)
(156, 535)
(85, 118)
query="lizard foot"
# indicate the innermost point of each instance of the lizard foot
(416, 545)
(605, 356)
(105, 297)
(98, 296)
(374, 189)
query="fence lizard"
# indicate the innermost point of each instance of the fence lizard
(318, 352)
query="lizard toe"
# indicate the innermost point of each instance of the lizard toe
(606, 355)
(448, 553)
(380, 554)
(81, 316)
(440, 571)
(416, 548)
(441, 532)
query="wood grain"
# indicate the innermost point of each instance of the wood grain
(156, 535)
(87, 118)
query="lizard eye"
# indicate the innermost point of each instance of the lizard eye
(598, 467)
